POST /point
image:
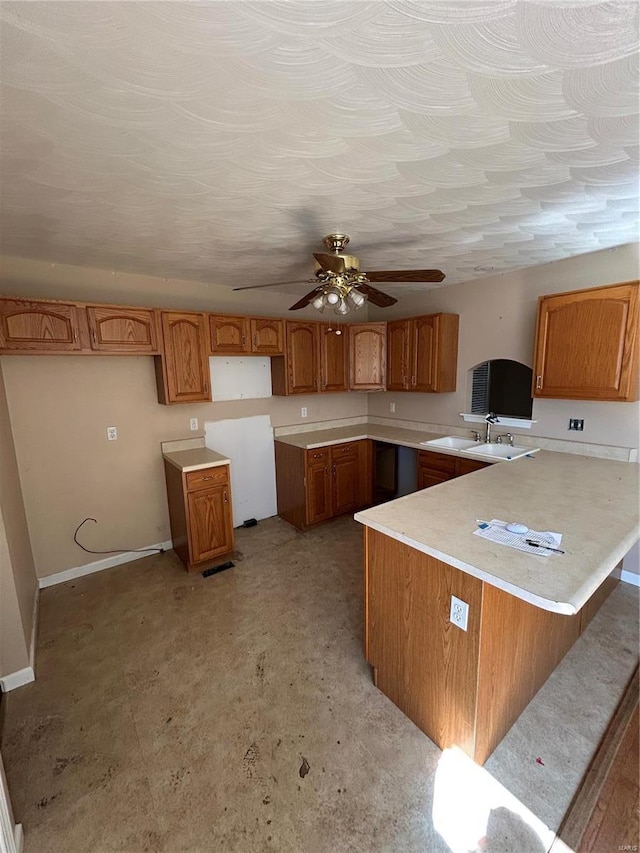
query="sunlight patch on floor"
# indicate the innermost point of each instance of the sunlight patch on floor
(474, 812)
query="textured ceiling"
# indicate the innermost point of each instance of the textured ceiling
(220, 141)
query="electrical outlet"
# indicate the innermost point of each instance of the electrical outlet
(576, 423)
(392, 407)
(303, 412)
(193, 423)
(459, 613)
(112, 433)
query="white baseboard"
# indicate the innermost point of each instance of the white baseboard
(630, 577)
(34, 629)
(17, 679)
(99, 565)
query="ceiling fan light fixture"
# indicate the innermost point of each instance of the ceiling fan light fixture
(356, 298)
(342, 307)
(319, 302)
(332, 295)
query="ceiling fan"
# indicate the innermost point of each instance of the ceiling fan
(341, 285)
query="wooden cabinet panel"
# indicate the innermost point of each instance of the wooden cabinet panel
(587, 344)
(302, 357)
(39, 326)
(435, 468)
(200, 514)
(229, 334)
(185, 364)
(318, 491)
(122, 329)
(334, 358)
(398, 338)
(367, 356)
(345, 470)
(423, 353)
(210, 530)
(267, 335)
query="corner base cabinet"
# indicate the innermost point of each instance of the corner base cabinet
(200, 514)
(324, 482)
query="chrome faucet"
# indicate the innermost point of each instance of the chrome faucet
(506, 435)
(490, 418)
(476, 435)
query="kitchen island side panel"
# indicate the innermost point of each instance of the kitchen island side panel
(520, 646)
(424, 664)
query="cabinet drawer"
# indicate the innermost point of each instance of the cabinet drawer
(340, 450)
(437, 461)
(207, 477)
(315, 457)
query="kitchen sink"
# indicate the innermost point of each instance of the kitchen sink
(499, 451)
(451, 442)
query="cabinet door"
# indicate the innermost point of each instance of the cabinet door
(210, 523)
(427, 477)
(367, 356)
(229, 334)
(267, 335)
(38, 326)
(586, 344)
(345, 468)
(423, 353)
(334, 358)
(185, 361)
(302, 358)
(318, 492)
(468, 466)
(122, 330)
(398, 355)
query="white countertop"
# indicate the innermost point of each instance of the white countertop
(191, 455)
(339, 435)
(592, 502)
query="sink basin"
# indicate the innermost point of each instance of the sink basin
(499, 451)
(451, 442)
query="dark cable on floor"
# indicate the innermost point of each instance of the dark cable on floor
(116, 551)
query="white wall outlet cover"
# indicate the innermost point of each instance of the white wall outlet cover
(112, 433)
(303, 412)
(459, 613)
(193, 423)
(392, 407)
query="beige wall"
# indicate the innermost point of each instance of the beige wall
(497, 320)
(18, 583)
(60, 407)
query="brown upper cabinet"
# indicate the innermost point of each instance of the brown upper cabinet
(121, 330)
(587, 344)
(39, 327)
(423, 353)
(367, 356)
(183, 372)
(315, 360)
(45, 327)
(229, 334)
(333, 343)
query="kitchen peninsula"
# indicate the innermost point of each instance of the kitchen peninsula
(467, 688)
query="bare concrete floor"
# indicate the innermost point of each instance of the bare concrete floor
(178, 714)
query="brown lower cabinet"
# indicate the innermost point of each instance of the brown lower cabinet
(200, 514)
(434, 468)
(319, 484)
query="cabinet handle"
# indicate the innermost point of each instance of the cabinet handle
(334, 469)
(206, 387)
(243, 340)
(75, 335)
(226, 498)
(206, 478)
(413, 380)
(255, 342)
(93, 336)
(326, 471)
(538, 382)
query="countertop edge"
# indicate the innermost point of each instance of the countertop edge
(199, 466)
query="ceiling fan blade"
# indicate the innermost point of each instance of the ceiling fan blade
(330, 263)
(306, 299)
(405, 275)
(382, 300)
(275, 284)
